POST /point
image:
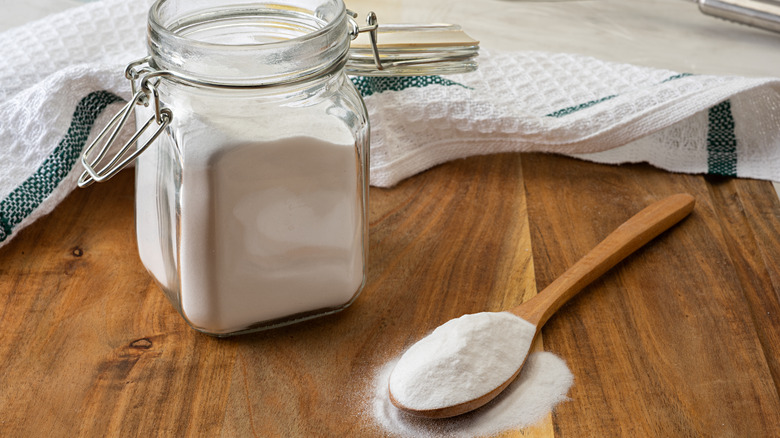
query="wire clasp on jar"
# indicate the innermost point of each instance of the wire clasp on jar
(144, 94)
(372, 26)
(409, 49)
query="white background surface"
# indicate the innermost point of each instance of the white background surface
(16, 12)
(670, 34)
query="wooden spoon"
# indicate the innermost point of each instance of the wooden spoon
(627, 238)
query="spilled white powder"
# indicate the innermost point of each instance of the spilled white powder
(542, 384)
(463, 359)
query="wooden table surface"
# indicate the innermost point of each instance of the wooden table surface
(680, 339)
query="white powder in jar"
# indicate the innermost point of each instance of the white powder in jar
(270, 223)
(286, 233)
(461, 360)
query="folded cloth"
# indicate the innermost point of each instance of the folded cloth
(62, 76)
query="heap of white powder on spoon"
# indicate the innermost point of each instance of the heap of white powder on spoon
(458, 360)
(544, 382)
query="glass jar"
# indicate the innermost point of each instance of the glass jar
(251, 204)
(251, 156)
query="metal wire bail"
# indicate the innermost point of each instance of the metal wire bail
(162, 117)
(409, 49)
(372, 25)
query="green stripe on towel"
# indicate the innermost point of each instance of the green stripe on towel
(582, 106)
(721, 141)
(368, 85)
(23, 200)
(574, 108)
(679, 76)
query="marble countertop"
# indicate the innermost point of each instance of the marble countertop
(670, 34)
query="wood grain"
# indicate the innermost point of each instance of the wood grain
(90, 346)
(678, 340)
(627, 238)
(665, 344)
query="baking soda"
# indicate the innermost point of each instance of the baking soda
(464, 359)
(269, 219)
(542, 384)
(286, 233)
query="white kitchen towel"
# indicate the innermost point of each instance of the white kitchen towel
(62, 76)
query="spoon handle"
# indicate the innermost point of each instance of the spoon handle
(627, 238)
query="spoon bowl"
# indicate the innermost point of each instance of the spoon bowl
(627, 238)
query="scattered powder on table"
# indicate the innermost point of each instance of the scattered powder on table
(543, 383)
(463, 359)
